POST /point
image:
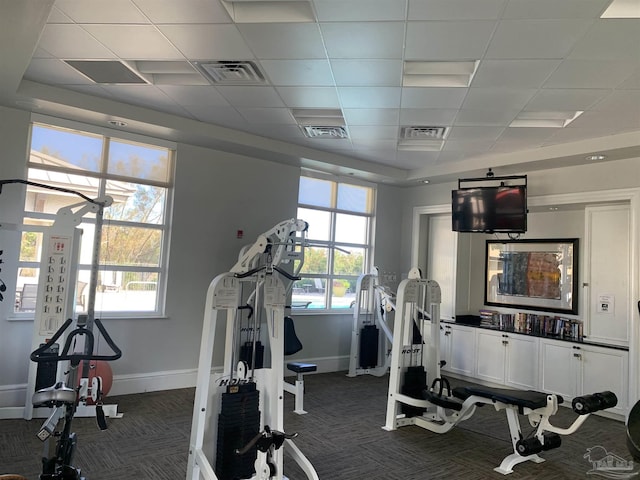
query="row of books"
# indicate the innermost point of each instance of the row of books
(533, 324)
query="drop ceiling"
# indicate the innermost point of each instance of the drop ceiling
(514, 85)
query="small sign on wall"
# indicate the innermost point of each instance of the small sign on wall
(605, 304)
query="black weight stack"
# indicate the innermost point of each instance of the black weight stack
(238, 423)
(369, 346)
(415, 381)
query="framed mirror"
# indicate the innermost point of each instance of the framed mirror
(537, 274)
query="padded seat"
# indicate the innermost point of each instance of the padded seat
(520, 398)
(300, 367)
(54, 395)
(443, 401)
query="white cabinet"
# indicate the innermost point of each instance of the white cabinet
(570, 370)
(507, 358)
(457, 348)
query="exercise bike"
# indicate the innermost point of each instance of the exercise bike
(64, 398)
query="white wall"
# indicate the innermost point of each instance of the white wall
(216, 194)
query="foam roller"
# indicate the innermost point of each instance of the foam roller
(594, 402)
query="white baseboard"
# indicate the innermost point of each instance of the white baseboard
(12, 397)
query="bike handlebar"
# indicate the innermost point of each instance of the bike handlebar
(75, 358)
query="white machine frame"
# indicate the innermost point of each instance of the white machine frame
(283, 243)
(374, 304)
(419, 299)
(56, 298)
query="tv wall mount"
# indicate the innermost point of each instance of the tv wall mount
(490, 180)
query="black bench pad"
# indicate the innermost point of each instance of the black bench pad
(443, 401)
(300, 367)
(520, 398)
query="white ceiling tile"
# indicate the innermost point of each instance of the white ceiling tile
(268, 115)
(298, 72)
(309, 97)
(485, 117)
(386, 145)
(135, 42)
(224, 116)
(610, 39)
(619, 100)
(589, 74)
(56, 16)
(535, 38)
(184, 11)
(208, 42)
(565, 100)
(526, 135)
(448, 98)
(375, 132)
(632, 82)
(408, 159)
(148, 96)
(284, 40)
(474, 133)
(360, 10)
(489, 98)
(371, 116)
(614, 121)
(364, 40)
(72, 42)
(41, 53)
(448, 40)
(451, 157)
(369, 97)
(545, 9)
(250, 96)
(427, 116)
(455, 9)
(565, 135)
(387, 73)
(101, 11)
(472, 146)
(194, 95)
(513, 73)
(55, 72)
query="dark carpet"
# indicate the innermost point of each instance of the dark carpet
(341, 435)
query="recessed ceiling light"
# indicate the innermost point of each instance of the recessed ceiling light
(595, 157)
(622, 9)
(425, 181)
(553, 209)
(545, 119)
(117, 123)
(438, 74)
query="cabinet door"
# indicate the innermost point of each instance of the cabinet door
(605, 369)
(522, 362)
(558, 368)
(463, 343)
(490, 356)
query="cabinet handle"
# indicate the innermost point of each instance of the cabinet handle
(504, 342)
(577, 355)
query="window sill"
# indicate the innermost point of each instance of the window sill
(15, 318)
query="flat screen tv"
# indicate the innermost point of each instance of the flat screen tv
(489, 209)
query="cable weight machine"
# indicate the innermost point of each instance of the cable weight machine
(239, 416)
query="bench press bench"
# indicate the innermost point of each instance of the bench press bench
(293, 345)
(458, 404)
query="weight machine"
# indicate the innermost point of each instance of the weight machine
(240, 415)
(47, 390)
(439, 408)
(370, 352)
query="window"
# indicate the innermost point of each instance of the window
(340, 217)
(135, 231)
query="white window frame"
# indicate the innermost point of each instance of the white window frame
(103, 176)
(331, 243)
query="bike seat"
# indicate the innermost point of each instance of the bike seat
(57, 394)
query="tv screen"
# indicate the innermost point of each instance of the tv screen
(489, 209)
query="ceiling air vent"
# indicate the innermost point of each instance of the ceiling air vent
(420, 138)
(324, 132)
(231, 72)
